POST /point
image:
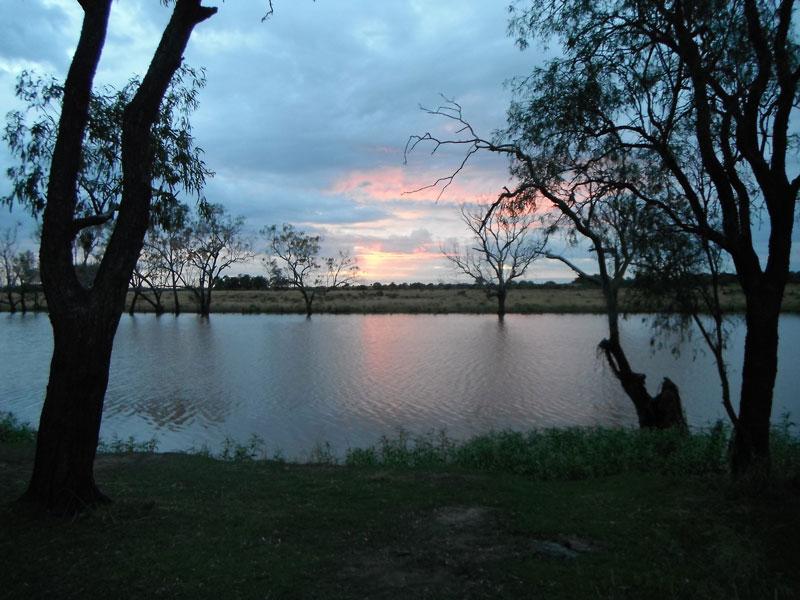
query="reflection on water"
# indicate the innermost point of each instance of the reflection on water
(349, 379)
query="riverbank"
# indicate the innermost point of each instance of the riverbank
(192, 526)
(434, 299)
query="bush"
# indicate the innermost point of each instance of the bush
(14, 432)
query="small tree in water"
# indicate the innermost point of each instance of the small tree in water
(215, 243)
(501, 248)
(293, 258)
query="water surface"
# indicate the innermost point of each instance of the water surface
(348, 379)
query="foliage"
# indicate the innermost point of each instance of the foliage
(14, 432)
(215, 242)
(31, 134)
(293, 259)
(243, 282)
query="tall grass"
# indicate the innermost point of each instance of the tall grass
(546, 454)
(577, 453)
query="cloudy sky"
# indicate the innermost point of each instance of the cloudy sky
(304, 117)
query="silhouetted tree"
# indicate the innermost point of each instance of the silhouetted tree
(666, 100)
(8, 275)
(215, 243)
(501, 250)
(169, 248)
(163, 258)
(26, 273)
(293, 257)
(695, 95)
(85, 320)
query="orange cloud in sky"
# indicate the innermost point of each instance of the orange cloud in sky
(376, 264)
(385, 184)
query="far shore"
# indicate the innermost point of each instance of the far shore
(435, 299)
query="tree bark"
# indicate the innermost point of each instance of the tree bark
(84, 321)
(63, 475)
(751, 439)
(663, 411)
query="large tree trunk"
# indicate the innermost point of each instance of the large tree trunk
(63, 475)
(85, 321)
(760, 367)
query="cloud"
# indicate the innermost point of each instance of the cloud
(305, 117)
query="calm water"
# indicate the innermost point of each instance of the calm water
(349, 379)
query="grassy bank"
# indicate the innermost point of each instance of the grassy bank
(424, 519)
(524, 300)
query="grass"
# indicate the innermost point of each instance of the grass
(541, 299)
(500, 516)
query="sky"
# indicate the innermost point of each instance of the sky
(304, 117)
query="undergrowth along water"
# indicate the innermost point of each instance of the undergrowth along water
(556, 453)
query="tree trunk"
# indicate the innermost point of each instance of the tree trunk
(176, 308)
(207, 303)
(751, 440)
(12, 305)
(136, 293)
(662, 412)
(501, 303)
(309, 300)
(63, 474)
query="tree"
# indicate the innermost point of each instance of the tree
(85, 320)
(163, 258)
(215, 244)
(685, 105)
(8, 250)
(168, 247)
(26, 272)
(294, 258)
(502, 250)
(702, 95)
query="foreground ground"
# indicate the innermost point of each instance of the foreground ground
(435, 299)
(187, 526)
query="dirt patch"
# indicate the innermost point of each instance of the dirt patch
(455, 548)
(111, 461)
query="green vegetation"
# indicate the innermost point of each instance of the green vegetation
(570, 513)
(14, 432)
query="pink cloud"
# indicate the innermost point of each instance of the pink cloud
(386, 184)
